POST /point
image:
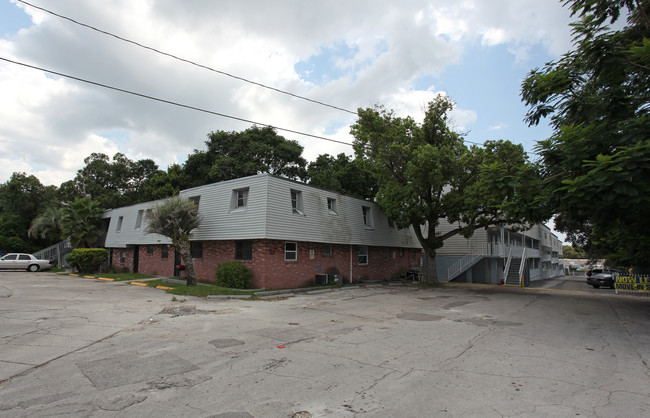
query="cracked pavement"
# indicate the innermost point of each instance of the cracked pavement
(85, 348)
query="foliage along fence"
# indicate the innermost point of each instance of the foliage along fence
(635, 284)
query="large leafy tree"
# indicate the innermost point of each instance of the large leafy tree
(426, 175)
(165, 184)
(597, 97)
(175, 218)
(342, 174)
(111, 183)
(22, 197)
(256, 150)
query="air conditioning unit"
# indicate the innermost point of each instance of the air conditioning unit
(321, 279)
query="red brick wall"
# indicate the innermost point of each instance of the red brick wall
(116, 263)
(271, 270)
(153, 263)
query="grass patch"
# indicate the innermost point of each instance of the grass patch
(181, 289)
(121, 276)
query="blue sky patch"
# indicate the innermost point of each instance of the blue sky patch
(327, 65)
(12, 19)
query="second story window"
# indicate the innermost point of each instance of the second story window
(138, 220)
(367, 216)
(196, 200)
(119, 224)
(332, 206)
(296, 201)
(239, 199)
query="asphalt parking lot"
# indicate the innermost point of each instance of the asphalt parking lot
(86, 348)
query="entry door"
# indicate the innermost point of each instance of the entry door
(177, 262)
(136, 258)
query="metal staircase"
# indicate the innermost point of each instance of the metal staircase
(462, 265)
(512, 275)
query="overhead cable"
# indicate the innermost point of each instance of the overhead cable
(186, 60)
(172, 102)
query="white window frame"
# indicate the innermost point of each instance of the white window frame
(118, 228)
(195, 199)
(138, 219)
(239, 200)
(367, 217)
(332, 206)
(296, 202)
(362, 252)
(287, 251)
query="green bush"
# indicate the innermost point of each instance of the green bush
(234, 275)
(88, 260)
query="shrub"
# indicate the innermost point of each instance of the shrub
(234, 275)
(88, 260)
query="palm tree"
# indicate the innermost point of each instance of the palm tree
(47, 225)
(81, 222)
(175, 218)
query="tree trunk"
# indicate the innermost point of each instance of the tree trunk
(184, 249)
(430, 273)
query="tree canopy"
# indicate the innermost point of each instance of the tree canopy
(597, 163)
(22, 198)
(231, 155)
(342, 174)
(111, 184)
(426, 174)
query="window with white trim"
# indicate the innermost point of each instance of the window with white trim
(326, 249)
(362, 255)
(367, 216)
(239, 199)
(138, 219)
(196, 200)
(290, 251)
(119, 224)
(332, 206)
(296, 202)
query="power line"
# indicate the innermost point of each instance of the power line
(186, 60)
(172, 103)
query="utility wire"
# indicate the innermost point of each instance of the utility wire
(172, 103)
(186, 60)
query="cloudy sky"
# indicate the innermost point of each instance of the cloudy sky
(348, 54)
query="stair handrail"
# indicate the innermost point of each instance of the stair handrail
(507, 266)
(521, 267)
(460, 265)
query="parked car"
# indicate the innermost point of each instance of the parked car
(20, 261)
(602, 277)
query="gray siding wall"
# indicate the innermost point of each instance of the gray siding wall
(128, 233)
(459, 244)
(317, 223)
(220, 222)
(268, 215)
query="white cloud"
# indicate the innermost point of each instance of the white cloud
(51, 124)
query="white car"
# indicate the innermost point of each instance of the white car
(18, 261)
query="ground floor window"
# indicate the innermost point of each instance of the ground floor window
(290, 251)
(165, 251)
(243, 250)
(122, 257)
(362, 253)
(196, 249)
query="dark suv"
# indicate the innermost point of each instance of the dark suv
(602, 277)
